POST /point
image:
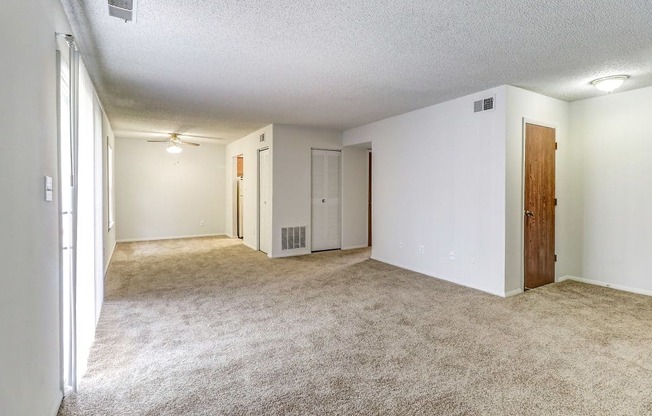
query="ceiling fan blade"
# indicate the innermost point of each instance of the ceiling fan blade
(158, 141)
(206, 139)
(165, 137)
(196, 136)
(190, 143)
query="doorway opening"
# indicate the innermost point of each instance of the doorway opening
(239, 196)
(539, 205)
(369, 210)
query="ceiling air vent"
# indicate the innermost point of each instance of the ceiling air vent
(123, 9)
(293, 237)
(485, 104)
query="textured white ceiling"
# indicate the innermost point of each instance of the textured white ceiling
(226, 67)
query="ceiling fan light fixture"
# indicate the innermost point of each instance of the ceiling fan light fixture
(174, 148)
(609, 84)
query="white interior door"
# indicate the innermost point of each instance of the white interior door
(240, 192)
(264, 202)
(326, 204)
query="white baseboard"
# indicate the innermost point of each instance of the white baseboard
(292, 253)
(447, 279)
(250, 246)
(607, 284)
(354, 247)
(513, 292)
(57, 403)
(106, 266)
(173, 237)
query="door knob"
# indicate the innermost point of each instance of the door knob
(529, 213)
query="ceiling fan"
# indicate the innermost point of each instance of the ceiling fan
(174, 143)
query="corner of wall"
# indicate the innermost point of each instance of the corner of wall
(611, 144)
(514, 292)
(291, 177)
(248, 146)
(54, 410)
(108, 258)
(523, 104)
(601, 283)
(289, 253)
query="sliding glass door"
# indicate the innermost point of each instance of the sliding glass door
(86, 227)
(80, 203)
(66, 92)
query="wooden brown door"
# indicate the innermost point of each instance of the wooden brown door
(539, 205)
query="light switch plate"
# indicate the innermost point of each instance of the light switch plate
(48, 188)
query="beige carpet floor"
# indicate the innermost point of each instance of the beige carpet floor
(210, 327)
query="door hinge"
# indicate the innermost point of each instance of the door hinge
(556, 145)
(555, 201)
(555, 258)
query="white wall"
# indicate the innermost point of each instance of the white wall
(614, 136)
(247, 146)
(546, 110)
(439, 181)
(355, 196)
(292, 179)
(29, 242)
(161, 195)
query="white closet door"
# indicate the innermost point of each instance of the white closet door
(264, 202)
(326, 205)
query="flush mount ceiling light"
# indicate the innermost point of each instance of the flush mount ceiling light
(608, 84)
(174, 148)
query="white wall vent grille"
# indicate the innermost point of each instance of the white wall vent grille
(485, 104)
(293, 237)
(123, 9)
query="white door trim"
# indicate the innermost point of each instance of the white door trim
(262, 149)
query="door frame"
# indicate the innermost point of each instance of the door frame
(369, 198)
(552, 125)
(262, 149)
(234, 195)
(309, 234)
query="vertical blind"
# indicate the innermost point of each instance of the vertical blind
(80, 178)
